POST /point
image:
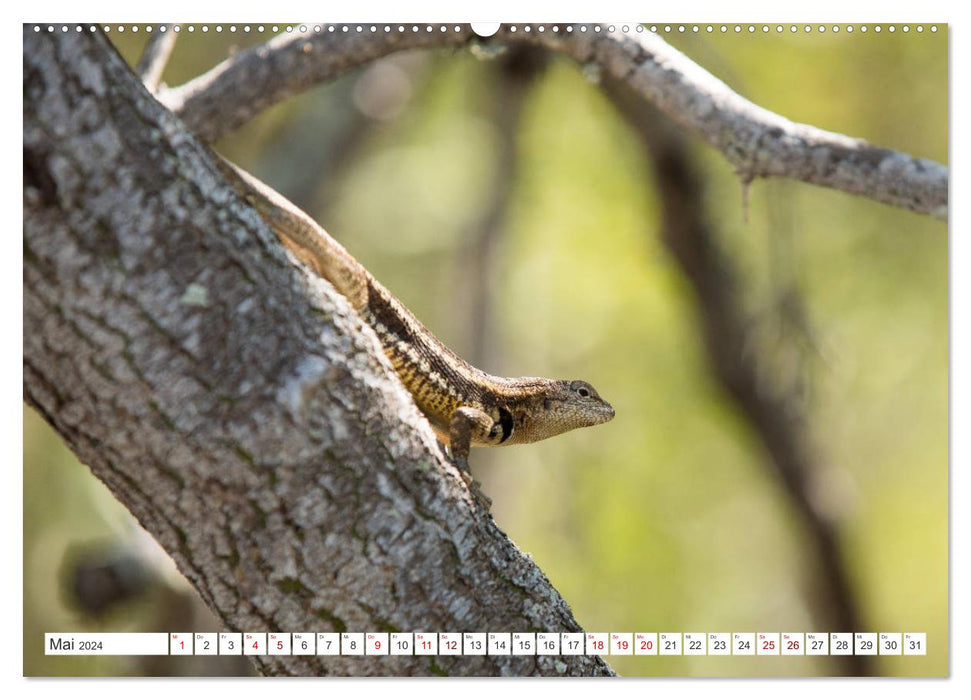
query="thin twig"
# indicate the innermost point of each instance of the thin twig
(757, 142)
(156, 55)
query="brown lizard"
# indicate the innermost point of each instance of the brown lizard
(465, 406)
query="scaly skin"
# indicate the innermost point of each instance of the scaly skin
(465, 406)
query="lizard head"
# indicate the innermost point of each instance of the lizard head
(564, 405)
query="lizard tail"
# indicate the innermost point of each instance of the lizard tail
(303, 236)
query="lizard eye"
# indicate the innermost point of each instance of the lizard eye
(583, 391)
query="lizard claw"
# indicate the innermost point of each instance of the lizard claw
(475, 488)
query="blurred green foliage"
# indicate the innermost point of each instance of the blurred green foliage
(667, 518)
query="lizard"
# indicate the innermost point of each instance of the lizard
(465, 406)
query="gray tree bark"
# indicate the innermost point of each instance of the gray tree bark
(235, 405)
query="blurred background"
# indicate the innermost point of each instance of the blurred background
(510, 203)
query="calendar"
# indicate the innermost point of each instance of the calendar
(314, 312)
(485, 644)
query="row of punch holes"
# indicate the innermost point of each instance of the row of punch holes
(541, 28)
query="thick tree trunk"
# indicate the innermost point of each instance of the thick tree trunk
(235, 405)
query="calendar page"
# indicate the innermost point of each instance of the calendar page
(511, 349)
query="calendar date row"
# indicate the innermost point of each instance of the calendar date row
(489, 643)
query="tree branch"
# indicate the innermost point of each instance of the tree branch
(154, 58)
(236, 405)
(758, 143)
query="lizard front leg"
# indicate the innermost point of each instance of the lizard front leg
(469, 425)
